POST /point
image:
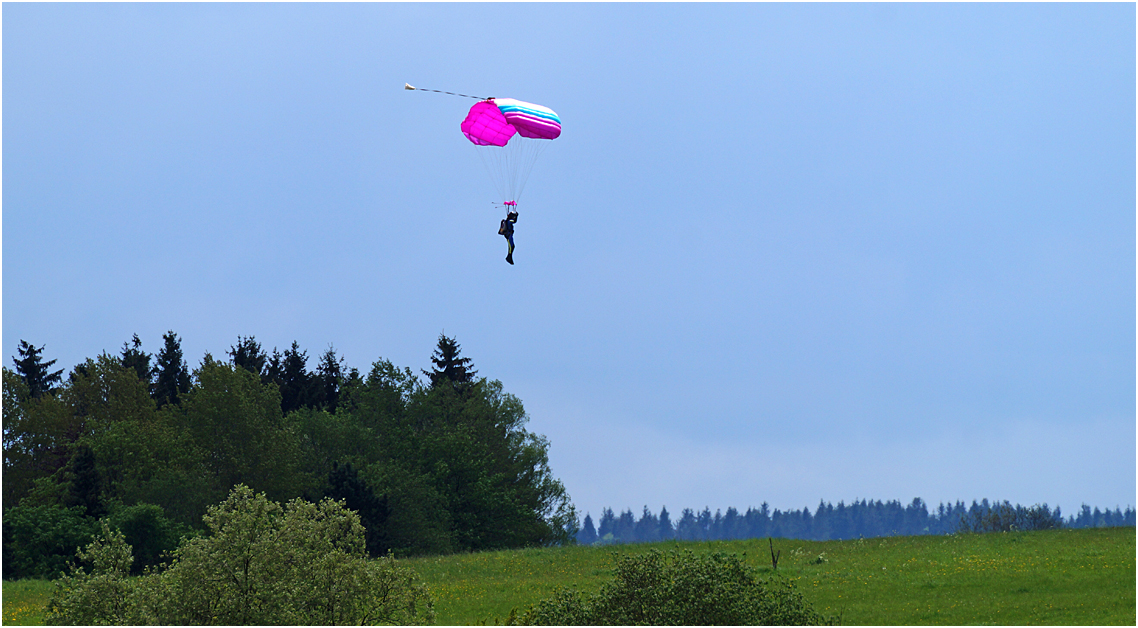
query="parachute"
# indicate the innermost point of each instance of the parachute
(510, 135)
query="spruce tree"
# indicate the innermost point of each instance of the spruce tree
(666, 531)
(625, 529)
(133, 357)
(588, 533)
(449, 367)
(36, 373)
(607, 524)
(329, 380)
(295, 382)
(173, 376)
(274, 368)
(248, 355)
(647, 529)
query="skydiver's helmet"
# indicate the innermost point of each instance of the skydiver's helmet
(512, 216)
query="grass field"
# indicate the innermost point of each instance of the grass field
(1061, 577)
(24, 602)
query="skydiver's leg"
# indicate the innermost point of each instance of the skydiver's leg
(510, 253)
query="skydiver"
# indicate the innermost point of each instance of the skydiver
(507, 231)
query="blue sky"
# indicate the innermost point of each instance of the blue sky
(781, 253)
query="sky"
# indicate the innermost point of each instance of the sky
(781, 253)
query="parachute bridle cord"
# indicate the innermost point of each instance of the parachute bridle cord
(420, 89)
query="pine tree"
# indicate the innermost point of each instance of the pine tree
(648, 528)
(703, 524)
(35, 373)
(665, 530)
(274, 368)
(295, 382)
(329, 380)
(588, 533)
(173, 376)
(449, 367)
(133, 357)
(625, 529)
(687, 528)
(732, 525)
(607, 524)
(248, 355)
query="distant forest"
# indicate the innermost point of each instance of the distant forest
(433, 464)
(859, 519)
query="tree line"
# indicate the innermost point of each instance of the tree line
(432, 464)
(859, 519)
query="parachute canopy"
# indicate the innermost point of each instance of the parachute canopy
(492, 125)
(494, 121)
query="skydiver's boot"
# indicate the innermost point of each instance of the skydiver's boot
(510, 258)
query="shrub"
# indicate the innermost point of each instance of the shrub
(261, 564)
(40, 540)
(149, 532)
(101, 596)
(678, 589)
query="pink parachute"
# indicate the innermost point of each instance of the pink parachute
(510, 136)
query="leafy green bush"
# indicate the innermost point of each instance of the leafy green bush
(677, 589)
(149, 532)
(100, 597)
(261, 564)
(40, 540)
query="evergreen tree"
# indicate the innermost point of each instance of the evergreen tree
(665, 526)
(625, 529)
(133, 357)
(329, 380)
(274, 368)
(248, 355)
(916, 518)
(648, 528)
(449, 367)
(36, 373)
(173, 376)
(607, 524)
(715, 531)
(295, 382)
(588, 533)
(823, 520)
(703, 524)
(687, 528)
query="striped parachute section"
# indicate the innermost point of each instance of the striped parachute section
(529, 119)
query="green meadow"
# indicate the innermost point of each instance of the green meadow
(1056, 577)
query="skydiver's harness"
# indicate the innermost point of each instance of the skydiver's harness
(507, 226)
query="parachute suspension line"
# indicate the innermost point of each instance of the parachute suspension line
(420, 89)
(493, 160)
(535, 149)
(509, 166)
